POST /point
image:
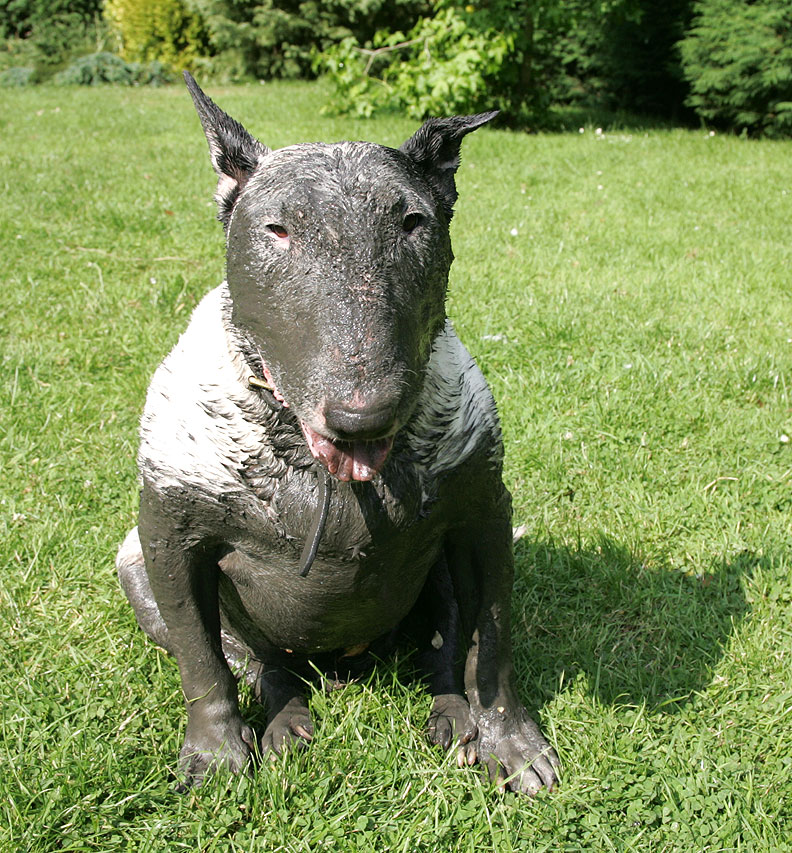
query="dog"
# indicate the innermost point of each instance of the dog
(321, 459)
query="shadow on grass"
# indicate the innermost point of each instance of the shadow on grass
(639, 633)
(571, 119)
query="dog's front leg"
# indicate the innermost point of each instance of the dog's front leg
(510, 743)
(183, 573)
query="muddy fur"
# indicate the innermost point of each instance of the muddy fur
(325, 357)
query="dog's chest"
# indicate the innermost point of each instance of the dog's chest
(361, 515)
(375, 552)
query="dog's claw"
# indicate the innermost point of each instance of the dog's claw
(516, 755)
(228, 749)
(450, 721)
(290, 728)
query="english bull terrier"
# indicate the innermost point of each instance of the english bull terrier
(321, 458)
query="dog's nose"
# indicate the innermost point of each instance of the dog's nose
(366, 423)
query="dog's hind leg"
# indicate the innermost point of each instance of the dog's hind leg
(134, 581)
(277, 677)
(434, 624)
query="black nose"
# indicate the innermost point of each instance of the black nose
(359, 424)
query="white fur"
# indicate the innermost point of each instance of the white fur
(194, 433)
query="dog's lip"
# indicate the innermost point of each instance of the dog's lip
(345, 460)
(275, 392)
(348, 460)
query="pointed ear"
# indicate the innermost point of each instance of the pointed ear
(435, 150)
(233, 151)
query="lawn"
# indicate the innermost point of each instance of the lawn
(627, 294)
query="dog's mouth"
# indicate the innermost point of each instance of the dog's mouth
(348, 460)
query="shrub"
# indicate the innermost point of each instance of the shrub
(166, 31)
(152, 73)
(278, 38)
(22, 18)
(460, 60)
(48, 33)
(620, 54)
(738, 59)
(108, 68)
(96, 68)
(20, 76)
(518, 55)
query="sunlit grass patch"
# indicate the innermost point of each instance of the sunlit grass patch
(626, 294)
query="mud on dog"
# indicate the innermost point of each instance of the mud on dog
(321, 459)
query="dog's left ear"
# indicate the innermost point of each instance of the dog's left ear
(233, 151)
(435, 150)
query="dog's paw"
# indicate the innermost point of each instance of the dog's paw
(515, 753)
(207, 749)
(291, 727)
(450, 722)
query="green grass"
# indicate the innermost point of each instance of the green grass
(637, 332)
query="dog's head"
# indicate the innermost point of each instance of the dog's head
(337, 265)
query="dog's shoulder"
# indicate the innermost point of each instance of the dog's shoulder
(194, 430)
(456, 416)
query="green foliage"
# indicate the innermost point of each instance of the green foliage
(619, 54)
(166, 31)
(517, 55)
(109, 68)
(737, 58)
(17, 76)
(462, 59)
(23, 18)
(277, 38)
(97, 68)
(48, 33)
(152, 73)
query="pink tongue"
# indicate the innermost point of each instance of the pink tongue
(348, 460)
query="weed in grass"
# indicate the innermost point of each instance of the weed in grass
(627, 295)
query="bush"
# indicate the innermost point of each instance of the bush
(97, 68)
(152, 73)
(520, 56)
(737, 58)
(108, 68)
(22, 18)
(279, 38)
(20, 76)
(51, 32)
(460, 60)
(165, 31)
(620, 54)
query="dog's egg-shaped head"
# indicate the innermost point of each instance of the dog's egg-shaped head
(337, 265)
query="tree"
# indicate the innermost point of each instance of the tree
(520, 56)
(737, 57)
(278, 38)
(623, 55)
(460, 59)
(166, 31)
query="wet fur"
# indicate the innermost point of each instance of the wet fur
(229, 487)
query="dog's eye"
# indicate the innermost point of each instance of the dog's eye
(411, 222)
(279, 231)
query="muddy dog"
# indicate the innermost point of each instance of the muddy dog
(321, 459)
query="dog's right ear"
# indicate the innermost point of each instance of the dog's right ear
(233, 151)
(434, 148)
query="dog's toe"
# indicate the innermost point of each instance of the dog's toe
(450, 721)
(289, 729)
